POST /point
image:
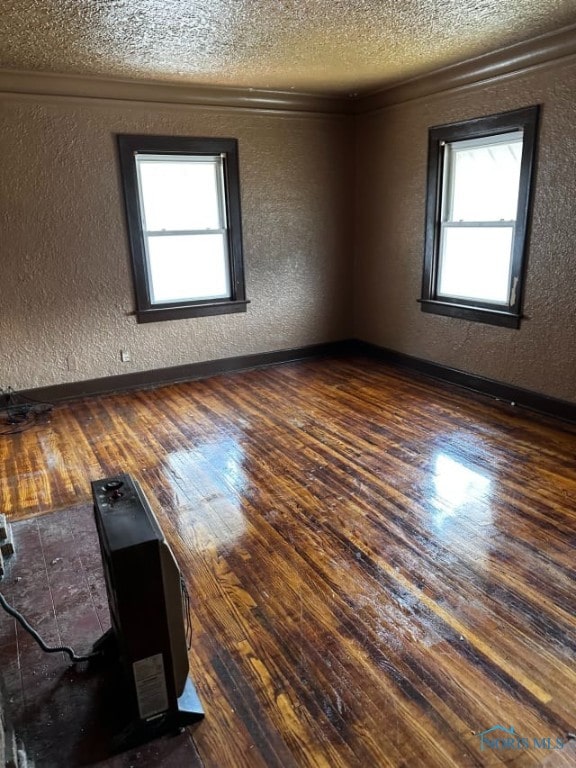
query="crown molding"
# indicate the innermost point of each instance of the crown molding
(77, 86)
(505, 62)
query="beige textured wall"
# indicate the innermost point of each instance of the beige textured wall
(391, 181)
(65, 285)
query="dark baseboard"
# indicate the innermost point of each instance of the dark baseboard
(160, 376)
(525, 398)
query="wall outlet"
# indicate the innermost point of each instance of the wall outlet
(125, 356)
(72, 363)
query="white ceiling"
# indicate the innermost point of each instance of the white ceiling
(328, 46)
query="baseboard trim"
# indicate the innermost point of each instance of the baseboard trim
(525, 398)
(159, 376)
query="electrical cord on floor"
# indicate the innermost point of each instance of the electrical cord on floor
(61, 649)
(19, 413)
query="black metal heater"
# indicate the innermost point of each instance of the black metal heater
(146, 599)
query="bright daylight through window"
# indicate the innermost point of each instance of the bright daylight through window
(479, 176)
(183, 209)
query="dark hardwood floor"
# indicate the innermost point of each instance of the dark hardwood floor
(381, 567)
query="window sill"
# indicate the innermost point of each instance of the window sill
(475, 314)
(154, 315)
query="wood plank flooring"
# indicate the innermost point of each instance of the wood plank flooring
(381, 567)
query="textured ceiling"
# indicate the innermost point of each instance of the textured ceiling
(333, 46)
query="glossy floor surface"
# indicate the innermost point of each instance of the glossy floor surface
(381, 567)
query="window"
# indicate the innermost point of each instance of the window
(479, 178)
(182, 200)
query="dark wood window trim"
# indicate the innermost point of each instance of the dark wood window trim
(131, 145)
(485, 312)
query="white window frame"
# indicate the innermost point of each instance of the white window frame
(148, 233)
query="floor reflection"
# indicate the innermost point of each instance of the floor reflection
(211, 480)
(459, 493)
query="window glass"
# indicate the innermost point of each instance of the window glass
(180, 194)
(483, 178)
(475, 263)
(188, 267)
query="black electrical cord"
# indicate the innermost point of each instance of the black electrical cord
(16, 425)
(17, 398)
(61, 649)
(19, 413)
